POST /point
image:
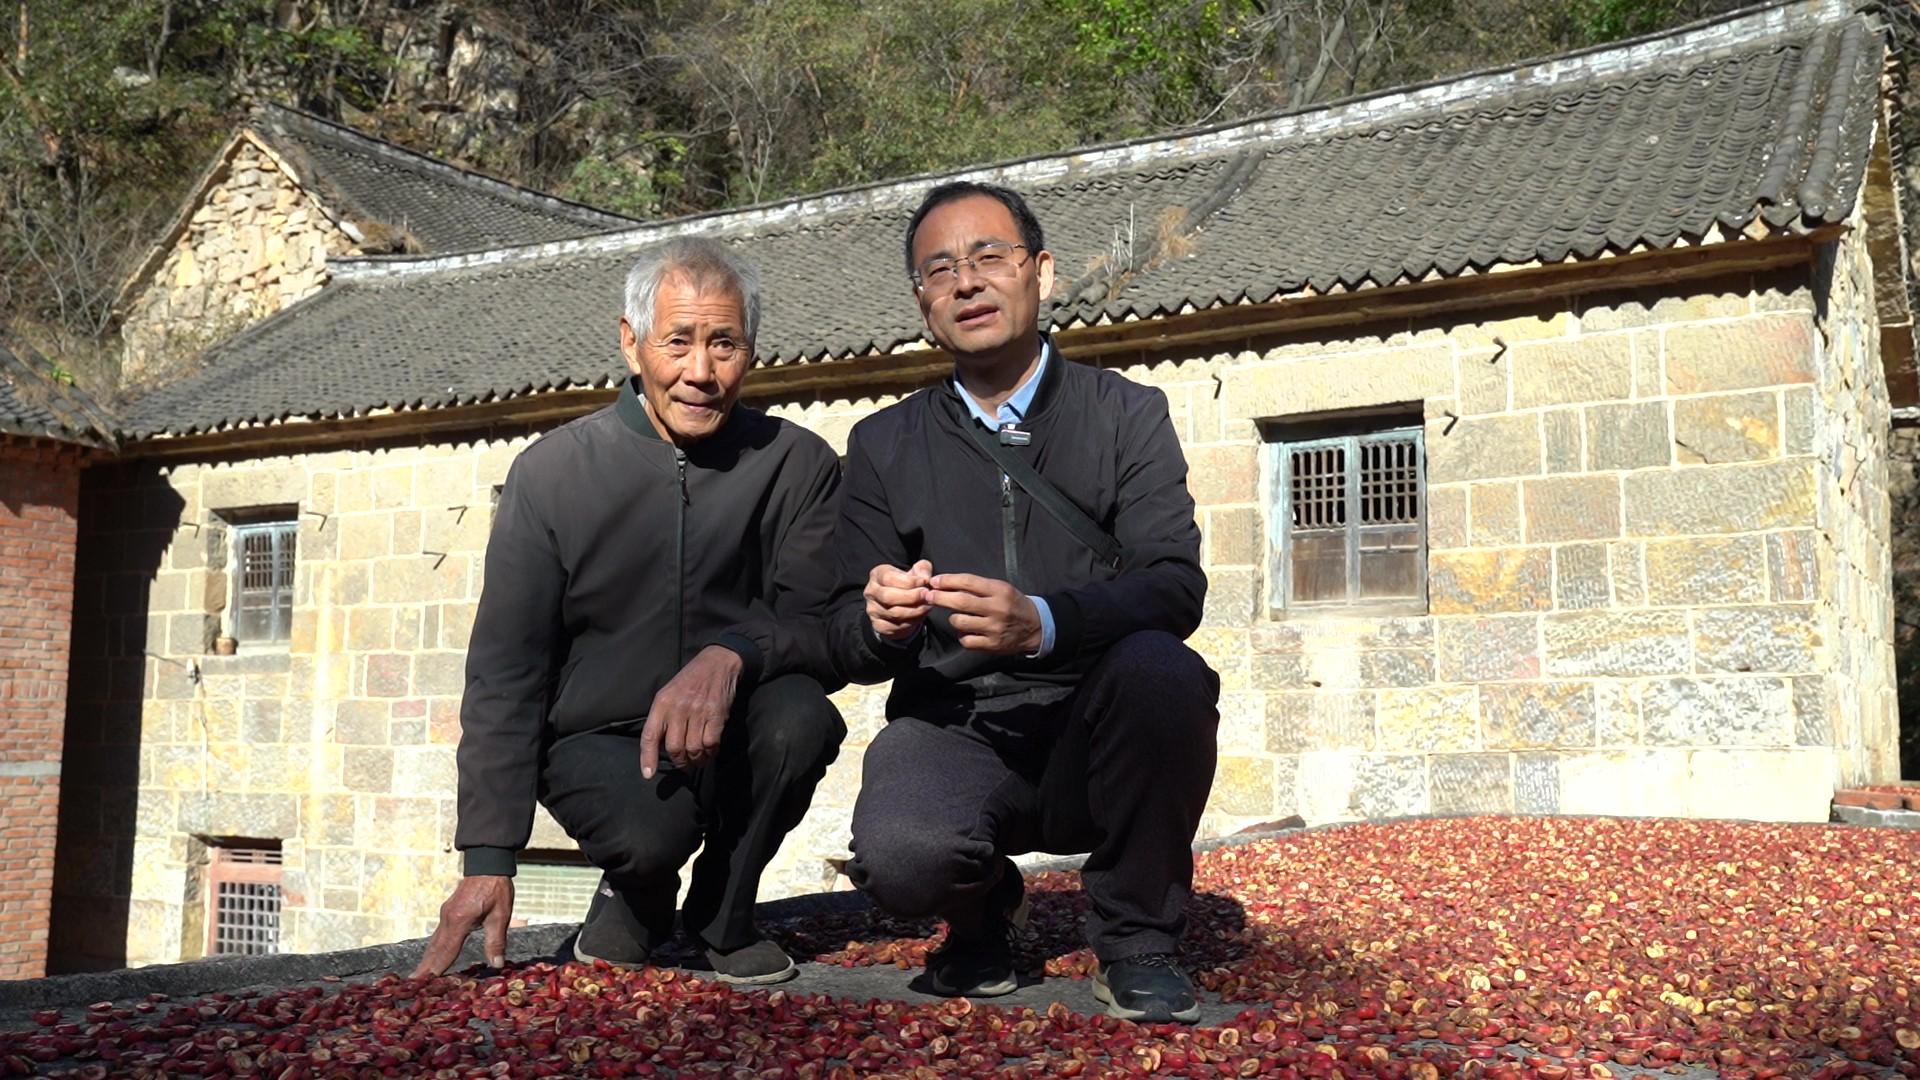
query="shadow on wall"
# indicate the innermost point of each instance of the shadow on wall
(129, 517)
(1904, 487)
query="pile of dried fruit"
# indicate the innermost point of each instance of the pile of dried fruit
(1477, 949)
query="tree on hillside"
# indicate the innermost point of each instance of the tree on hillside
(659, 107)
(107, 107)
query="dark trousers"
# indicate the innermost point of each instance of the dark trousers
(1120, 770)
(776, 747)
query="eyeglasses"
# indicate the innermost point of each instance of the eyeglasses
(994, 260)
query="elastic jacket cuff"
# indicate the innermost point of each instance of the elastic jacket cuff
(752, 661)
(891, 653)
(490, 862)
(1067, 626)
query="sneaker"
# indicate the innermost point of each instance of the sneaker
(1152, 989)
(757, 964)
(980, 964)
(609, 932)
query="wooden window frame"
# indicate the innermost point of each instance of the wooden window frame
(283, 533)
(1348, 435)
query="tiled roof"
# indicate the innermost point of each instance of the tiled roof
(447, 209)
(35, 401)
(1758, 121)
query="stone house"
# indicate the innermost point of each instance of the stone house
(1536, 419)
(288, 192)
(49, 431)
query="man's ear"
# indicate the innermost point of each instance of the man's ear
(629, 345)
(1043, 267)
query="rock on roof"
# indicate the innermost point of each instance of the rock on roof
(37, 402)
(1759, 123)
(447, 209)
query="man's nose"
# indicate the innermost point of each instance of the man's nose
(967, 278)
(699, 367)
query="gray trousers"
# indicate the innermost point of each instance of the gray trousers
(1120, 769)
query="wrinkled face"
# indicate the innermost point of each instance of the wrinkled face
(691, 360)
(973, 313)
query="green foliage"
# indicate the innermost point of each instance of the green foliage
(1611, 20)
(610, 186)
(109, 108)
(1166, 53)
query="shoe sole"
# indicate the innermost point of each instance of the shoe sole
(1018, 919)
(588, 958)
(1114, 1009)
(769, 978)
(993, 989)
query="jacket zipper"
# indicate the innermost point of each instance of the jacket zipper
(1010, 548)
(680, 562)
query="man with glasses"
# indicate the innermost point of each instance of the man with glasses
(1017, 552)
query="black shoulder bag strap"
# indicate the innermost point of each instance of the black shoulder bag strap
(1104, 546)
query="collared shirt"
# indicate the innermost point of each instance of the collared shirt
(1012, 411)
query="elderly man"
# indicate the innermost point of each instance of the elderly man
(648, 655)
(1017, 551)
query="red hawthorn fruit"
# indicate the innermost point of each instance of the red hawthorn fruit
(1459, 949)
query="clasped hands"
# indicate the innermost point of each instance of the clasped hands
(988, 614)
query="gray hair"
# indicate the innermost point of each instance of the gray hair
(704, 264)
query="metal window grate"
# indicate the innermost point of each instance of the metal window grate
(264, 592)
(553, 892)
(243, 901)
(246, 919)
(1355, 508)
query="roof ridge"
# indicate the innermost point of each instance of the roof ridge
(479, 182)
(1494, 88)
(29, 379)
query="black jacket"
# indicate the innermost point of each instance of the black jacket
(918, 486)
(615, 558)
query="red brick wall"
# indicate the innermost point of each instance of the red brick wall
(39, 502)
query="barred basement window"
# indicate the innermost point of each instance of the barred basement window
(553, 887)
(1351, 517)
(243, 900)
(263, 581)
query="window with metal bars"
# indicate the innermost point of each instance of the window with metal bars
(552, 888)
(1352, 521)
(263, 581)
(243, 901)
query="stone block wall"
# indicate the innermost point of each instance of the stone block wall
(1630, 609)
(39, 503)
(1853, 442)
(257, 242)
(1627, 573)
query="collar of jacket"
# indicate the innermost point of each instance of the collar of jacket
(1050, 377)
(633, 412)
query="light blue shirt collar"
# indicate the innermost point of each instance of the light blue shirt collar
(1014, 409)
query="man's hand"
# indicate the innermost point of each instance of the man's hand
(483, 901)
(689, 713)
(988, 614)
(897, 600)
